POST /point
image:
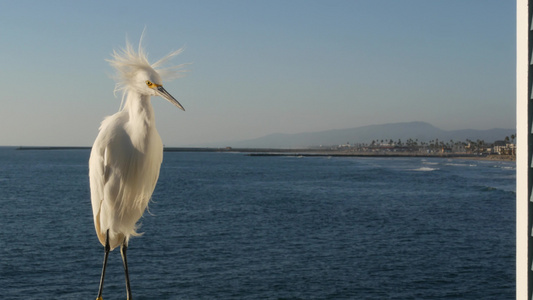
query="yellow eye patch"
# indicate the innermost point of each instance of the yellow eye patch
(152, 85)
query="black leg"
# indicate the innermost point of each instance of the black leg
(107, 248)
(123, 250)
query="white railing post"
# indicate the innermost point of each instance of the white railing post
(524, 169)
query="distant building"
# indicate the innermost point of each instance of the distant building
(446, 150)
(459, 148)
(504, 148)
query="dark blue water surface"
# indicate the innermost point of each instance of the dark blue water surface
(231, 226)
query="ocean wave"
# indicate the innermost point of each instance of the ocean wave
(425, 169)
(461, 165)
(486, 188)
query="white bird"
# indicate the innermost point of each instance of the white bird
(127, 153)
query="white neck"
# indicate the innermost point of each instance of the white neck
(141, 119)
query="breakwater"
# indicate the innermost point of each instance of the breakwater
(302, 152)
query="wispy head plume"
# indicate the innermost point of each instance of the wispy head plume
(127, 62)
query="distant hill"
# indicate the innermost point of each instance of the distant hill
(411, 130)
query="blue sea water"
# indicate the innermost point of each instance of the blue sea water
(231, 226)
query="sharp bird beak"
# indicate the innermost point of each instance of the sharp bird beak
(163, 93)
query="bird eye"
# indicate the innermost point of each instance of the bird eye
(149, 83)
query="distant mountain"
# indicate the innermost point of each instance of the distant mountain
(412, 130)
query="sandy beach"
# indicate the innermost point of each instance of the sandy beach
(491, 157)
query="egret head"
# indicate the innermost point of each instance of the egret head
(135, 74)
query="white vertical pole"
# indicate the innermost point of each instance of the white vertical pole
(523, 167)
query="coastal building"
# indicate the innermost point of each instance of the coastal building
(504, 148)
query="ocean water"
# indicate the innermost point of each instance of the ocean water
(231, 226)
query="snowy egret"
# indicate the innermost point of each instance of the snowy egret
(127, 153)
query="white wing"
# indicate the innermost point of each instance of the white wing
(122, 179)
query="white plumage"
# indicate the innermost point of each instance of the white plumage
(127, 153)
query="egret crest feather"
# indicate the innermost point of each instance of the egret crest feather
(127, 62)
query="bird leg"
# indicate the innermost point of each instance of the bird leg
(107, 248)
(123, 250)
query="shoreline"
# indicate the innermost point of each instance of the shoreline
(395, 155)
(305, 152)
(492, 158)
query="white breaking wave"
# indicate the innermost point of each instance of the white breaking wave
(460, 165)
(425, 169)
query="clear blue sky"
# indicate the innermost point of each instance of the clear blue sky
(259, 67)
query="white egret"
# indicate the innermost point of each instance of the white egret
(127, 153)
